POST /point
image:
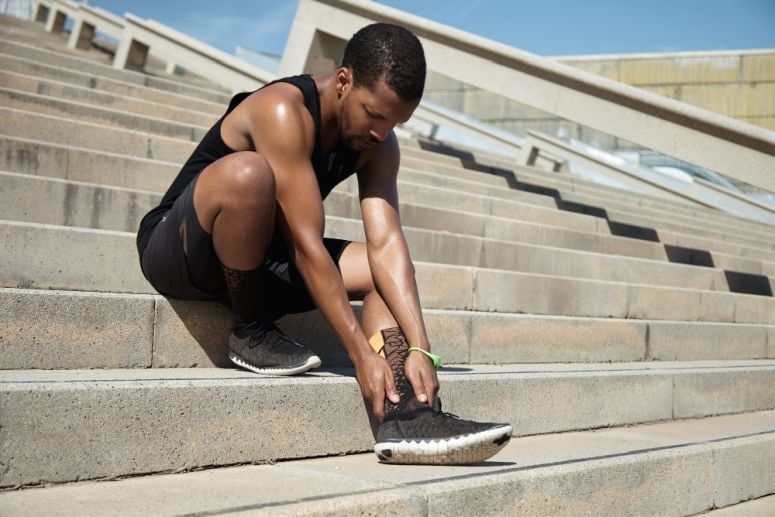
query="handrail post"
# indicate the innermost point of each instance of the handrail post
(42, 11)
(82, 34)
(56, 20)
(131, 54)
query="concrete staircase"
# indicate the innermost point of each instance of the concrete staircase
(629, 339)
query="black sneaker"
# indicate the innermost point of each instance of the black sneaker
(425, 435)
(262, 348)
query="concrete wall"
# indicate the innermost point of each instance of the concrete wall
(739, 84)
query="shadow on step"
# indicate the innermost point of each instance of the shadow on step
(745, 283)
(199, 335)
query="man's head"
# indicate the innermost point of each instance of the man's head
(389, 52)
(380, 83)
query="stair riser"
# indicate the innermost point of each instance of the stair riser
(89, 67)
(93, 115)
(35, 69)
(38, 200)
(35, 126)
(108, 262)
(49, 330)
(80, 429)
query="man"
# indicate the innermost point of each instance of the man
(243, 223)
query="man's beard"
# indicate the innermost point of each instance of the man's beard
(357, 142)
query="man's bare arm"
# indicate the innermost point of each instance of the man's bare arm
(389, 259)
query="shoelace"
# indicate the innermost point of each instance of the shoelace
(260, 329)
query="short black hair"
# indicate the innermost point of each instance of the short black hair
(390, 50)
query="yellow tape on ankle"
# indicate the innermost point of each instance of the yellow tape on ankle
(435, 359)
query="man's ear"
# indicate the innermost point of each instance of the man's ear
(344, 78)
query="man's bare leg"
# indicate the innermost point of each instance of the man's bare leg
(412, 432)
(357, 279)
(235, 202)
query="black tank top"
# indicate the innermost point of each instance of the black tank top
(329, 170)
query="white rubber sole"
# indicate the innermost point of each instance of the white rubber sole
(459, 450)
(312, 362)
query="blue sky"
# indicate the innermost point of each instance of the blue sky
(545, 27)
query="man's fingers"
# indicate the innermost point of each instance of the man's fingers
(418, 385)
(391, 391)
(431, 387)
(378, 406)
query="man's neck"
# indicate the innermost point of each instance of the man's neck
(329, 124)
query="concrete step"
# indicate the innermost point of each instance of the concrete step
(672, 468)
(171, 151)
(16, 65)
(77, 164)
(69, 92)
(106, 261)
(31, 157)
(101, 51)
(60, 202)
(615, 211)
(592, 192)
(761, 507)
(96, 137)
(50, 329)
(97, 114)
(63, 132)
(85, 112)
(89, 66)
(62, 426)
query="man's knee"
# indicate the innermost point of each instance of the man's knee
(249, 176)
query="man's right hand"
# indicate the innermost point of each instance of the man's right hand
(376, 381)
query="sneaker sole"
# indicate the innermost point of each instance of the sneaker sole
(458, 450)
(312, 362)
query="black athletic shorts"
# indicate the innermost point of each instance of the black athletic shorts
(180, 262)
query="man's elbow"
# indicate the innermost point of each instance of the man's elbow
(390, 250)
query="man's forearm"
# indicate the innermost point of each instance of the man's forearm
(325, 284)
(393, 274)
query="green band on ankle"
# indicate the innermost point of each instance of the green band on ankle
(436, 359)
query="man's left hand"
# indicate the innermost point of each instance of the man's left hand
(422, 376)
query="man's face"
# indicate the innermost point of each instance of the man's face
(368, 115)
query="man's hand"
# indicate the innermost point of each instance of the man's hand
(376, 381)
(422, 376)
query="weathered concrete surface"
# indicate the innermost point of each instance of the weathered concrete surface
(62, 59)
(761, 507)
(63, 131)
(98, 115)
(743, 469)
(65, 425)
(74, 330)
(85, 94)
(672, 342)
(193, 334)
(665, 468)
(96, 260)
(36, 69)
(538, 294)
(72, 163)
(99, 260)
(506, 338)
(723, 391)
(63, 202)
(34, 199)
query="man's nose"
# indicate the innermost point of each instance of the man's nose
(379, 134)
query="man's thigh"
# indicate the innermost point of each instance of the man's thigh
(179, 260)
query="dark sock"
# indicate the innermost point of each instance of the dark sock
(394, 347)
(243, 288)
